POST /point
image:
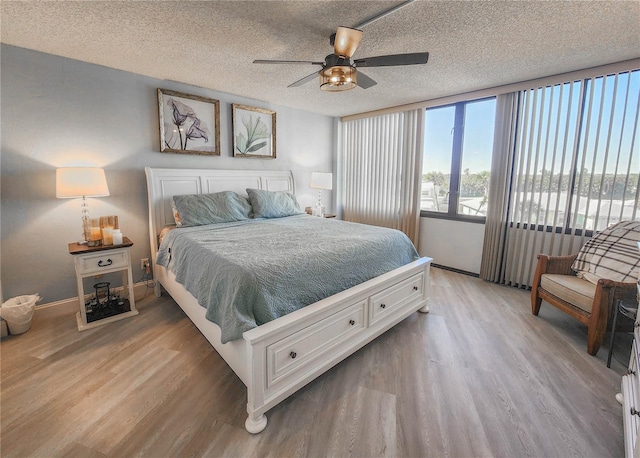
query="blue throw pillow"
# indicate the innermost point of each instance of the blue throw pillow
(273, 204)
(200, 209)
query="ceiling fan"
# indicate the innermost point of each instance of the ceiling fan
(339, 72)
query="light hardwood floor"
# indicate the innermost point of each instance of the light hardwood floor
(478, 376)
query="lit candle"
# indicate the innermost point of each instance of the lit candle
(107, 236)
(96, 233)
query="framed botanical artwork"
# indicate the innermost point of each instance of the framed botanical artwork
(189, 124)
(254, 132)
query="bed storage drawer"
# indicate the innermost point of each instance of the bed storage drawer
(305, 347)
(387, 301)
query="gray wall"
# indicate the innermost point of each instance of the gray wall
(60, 112)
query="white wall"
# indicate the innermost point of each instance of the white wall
(453, 244)
(458, 245)
(60, 112)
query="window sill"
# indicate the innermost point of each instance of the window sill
(461, 218)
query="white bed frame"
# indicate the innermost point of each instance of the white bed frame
(280, 357)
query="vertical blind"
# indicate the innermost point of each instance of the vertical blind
(576, 168)
(380, 171)
(495, 229)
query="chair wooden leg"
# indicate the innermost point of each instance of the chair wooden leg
(597, 327)
(536, 302)
(541, 268)
(595, 336)
(613, 333)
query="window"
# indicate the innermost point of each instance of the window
(457, 159)
(577, 159)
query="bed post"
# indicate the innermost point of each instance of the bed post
(427, 290)
(153, 234)
(255, 423)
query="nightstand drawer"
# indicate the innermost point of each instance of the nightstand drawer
(102, 261)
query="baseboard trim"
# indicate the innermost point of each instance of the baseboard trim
(453, 269)
(70, 306)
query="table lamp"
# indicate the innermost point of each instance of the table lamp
(83, 182)
(320, 181)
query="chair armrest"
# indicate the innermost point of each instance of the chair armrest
(618, 290)
(607, 292)
(627, 292)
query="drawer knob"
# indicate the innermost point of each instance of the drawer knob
(351, 322)
(415, 288)
(383, 305)
(630, 372)
(293, 355)
(634, 411)
(102, 264)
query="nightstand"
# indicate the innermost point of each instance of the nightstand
(99, 260)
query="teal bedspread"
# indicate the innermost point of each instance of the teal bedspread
(248, 273)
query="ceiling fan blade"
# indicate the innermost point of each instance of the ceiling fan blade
(346, 41)
(393, 59)
(364, 81)
(262, 61)
(304, 80)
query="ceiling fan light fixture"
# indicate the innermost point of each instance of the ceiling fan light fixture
(346, 40)
(338, 78)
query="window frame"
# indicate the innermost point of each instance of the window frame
(456, 165)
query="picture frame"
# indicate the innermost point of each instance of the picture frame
(189, 124)
(254, 132)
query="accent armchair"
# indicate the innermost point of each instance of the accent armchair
(592, 304)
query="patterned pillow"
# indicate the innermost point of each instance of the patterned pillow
(200, 209)
(273, 204)
(612, 254)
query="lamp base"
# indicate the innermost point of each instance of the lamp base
(319, 207)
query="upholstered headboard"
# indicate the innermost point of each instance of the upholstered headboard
(162, 184)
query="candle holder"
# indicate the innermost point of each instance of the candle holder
(103, 292)
(103, 304)
(93, 232)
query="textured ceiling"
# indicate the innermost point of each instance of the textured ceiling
(472, 45)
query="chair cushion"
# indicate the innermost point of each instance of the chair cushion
(571, 289)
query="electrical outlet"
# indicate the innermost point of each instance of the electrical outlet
(144, 263)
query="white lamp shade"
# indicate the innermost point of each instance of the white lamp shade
(81, 182)
(321, 180)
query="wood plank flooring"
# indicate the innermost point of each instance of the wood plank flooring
(477, 376)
